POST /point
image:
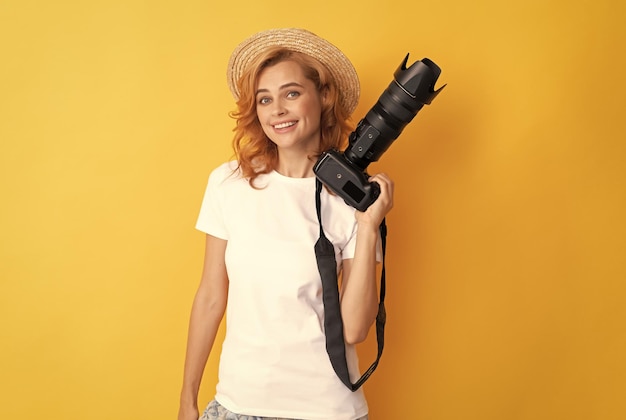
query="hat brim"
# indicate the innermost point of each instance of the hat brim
(305, 42)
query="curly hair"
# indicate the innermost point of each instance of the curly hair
(255, 152)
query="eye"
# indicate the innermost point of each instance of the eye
(264, 100)
(293, 94)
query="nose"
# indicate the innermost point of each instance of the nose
(278, 108)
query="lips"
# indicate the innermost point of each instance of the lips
(285, 124)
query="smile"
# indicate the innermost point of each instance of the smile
(285, 124)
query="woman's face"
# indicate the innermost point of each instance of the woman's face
(289, 107)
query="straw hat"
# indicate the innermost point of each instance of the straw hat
(303, 41)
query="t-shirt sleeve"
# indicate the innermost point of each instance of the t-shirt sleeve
(211, 217)
(348, 251)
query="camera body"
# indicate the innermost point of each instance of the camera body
(344, 173)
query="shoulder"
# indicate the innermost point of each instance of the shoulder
(226, 171)
(336, 214)
(337, 203)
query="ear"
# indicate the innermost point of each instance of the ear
(325, 95)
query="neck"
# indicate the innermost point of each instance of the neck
(295, 167)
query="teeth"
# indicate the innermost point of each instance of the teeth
(285, 124)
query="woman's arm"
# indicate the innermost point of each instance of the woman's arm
(206, 314)
(359, 291)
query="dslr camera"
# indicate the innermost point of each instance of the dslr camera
(344, 173)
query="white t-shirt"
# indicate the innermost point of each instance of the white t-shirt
(274, 361)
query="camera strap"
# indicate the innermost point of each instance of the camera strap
(333, 324)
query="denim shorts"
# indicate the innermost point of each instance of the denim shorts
(215, 411)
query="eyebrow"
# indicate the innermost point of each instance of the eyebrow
(285, 86)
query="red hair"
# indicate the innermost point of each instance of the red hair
(256, 153)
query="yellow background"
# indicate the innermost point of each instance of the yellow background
(506, 246)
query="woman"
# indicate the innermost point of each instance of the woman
(295, 93)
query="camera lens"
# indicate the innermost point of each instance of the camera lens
(411, 88)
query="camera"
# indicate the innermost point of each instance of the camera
(344, 173)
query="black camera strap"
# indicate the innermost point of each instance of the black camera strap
(333, 324)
